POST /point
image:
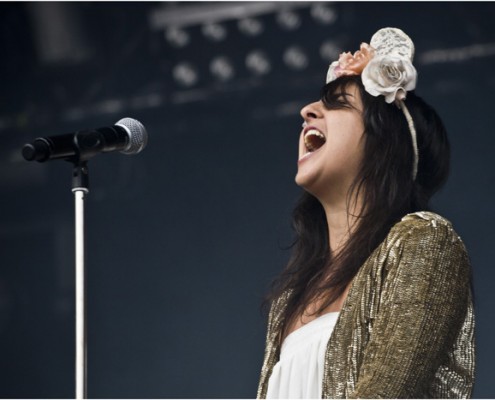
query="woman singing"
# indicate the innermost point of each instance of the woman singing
(375, 301)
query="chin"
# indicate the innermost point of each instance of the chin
(306, 182)
(300, 180)
(317, 185)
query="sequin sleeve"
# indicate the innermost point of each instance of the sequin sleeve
(424, 302)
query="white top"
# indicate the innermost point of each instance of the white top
(299, 372)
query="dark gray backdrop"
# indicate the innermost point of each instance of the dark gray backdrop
(184, 238)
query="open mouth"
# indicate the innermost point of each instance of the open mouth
(313, 139)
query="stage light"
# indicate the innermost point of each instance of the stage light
(185, 74)
(177, 37)
(250, 26)
(295, 58)
(330, 51)
(323, 13)
(288, 20)
(258, 63)
(222, 68)
(215, 32)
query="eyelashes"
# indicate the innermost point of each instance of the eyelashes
(335, 103)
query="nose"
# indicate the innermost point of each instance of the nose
(312, 111)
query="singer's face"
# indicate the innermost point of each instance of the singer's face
(331, 144)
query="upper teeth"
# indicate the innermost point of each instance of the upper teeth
(314, 132)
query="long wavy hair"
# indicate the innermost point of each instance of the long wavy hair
(385, 185)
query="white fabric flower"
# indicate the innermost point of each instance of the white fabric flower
(331, 75)
(390, 76)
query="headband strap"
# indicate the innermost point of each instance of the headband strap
(412, 129)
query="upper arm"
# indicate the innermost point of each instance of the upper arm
(423, 305)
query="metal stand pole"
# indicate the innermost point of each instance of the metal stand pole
(80, 189)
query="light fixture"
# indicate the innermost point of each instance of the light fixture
(250, 26)
(295, 58)
(214, 32)
(185, 74)
(177, 37)
(323, 14)
(221, 68)
(288, 20)
(258, 63)
(329, 51)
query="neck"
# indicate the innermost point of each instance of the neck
(342, 219)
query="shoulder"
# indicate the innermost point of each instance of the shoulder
(425, 225)
(420, 218)
(426, 238)
(423, 251)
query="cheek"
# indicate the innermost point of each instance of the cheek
(347, 138)
(347, 148)
(355, 148)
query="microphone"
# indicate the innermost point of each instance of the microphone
(128, 136)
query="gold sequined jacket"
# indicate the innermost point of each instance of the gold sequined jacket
(406, 328)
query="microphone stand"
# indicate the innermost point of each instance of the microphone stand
(80, 188)
(78, 148)
(87, 144)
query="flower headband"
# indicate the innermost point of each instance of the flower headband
(386, 69)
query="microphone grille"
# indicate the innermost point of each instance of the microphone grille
(138, 137)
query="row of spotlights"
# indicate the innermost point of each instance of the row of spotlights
(257, 62)
(179, 38)
(287, 20)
